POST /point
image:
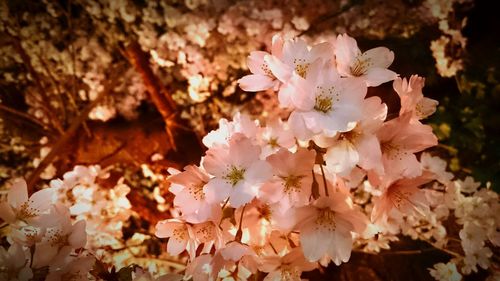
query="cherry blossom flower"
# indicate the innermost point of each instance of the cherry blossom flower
(326, 228)
(412, 98)
(445, 272)
(200, 269)
(370, 66)
(437, 166)
(292, 180)
(289, 267)
(262, 78)
(18, 208)
(297, 57)
(274, 136)
(180, 234)
(236, 261)
(189, 195)
(60, 241)
(77, 269)
(209, 234)
(402, 195)
(359, 146)
(241, 123)
(400, 139)
(325, 103)
(15, 263)
(238, 171)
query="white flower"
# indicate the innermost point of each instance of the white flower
(20, 209)
(445, 272)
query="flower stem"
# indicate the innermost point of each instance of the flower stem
(324, 179)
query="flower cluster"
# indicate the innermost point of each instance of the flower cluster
(104, 209)
(284, 191)
(44, 239)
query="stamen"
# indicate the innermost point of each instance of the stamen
(235, 175)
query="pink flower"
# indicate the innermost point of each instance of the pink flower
(399, 139)
(326, 228)
(412, 98)
(75, 270)
(262, 78)
(360, 145)
(60, 241)
(297, 57)
(180, 234)
(274, 136)
(200, 268)
(238, 172)
(371, 66)
(295, 63)
(19, 208)
(235, 260)
(403, 196)
(209, 234)
(325, 103)
(15, 263)
(289, 267)
(292, 180)
(189, 195)
(241, 123)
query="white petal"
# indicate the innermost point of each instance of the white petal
(18, 193)
(6, 212)
(259, 172)
(278, 68)
(298, 126)
(315, 241)
(255, 61)
(175, 247)
(242, 193)
(342, 157)
(217, 190)
(78, 237)
(341, 247)
(256, 82)
(380, 57)
(41, 200)
(376, 76)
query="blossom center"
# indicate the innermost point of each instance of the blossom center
(350, 136)
(179, 234)
(26, 212)
(291, 183)
(273, 142)
(398, 196)
(196, 190)
(323, 104)
(325, 98)
(265, 68)
(235, 175)
(301, 67)
(360, 66)
(58, 239)
(326, 219)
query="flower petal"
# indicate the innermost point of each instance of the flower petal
(6, 212)
(380, 57)
(18, 193)
(217, 190)
(256, 82)
(377, 75)
(176, 246)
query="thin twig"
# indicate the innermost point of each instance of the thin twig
(23, 115)
(66, 136)
(326, 17)
(324, 179)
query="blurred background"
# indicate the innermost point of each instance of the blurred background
(130, 84)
